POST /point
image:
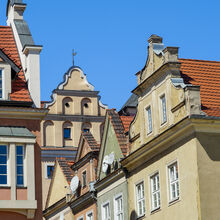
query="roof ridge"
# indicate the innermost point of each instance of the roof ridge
(211, 61)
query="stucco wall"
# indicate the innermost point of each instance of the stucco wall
(208, 153)
(109, 193)
(185, 153)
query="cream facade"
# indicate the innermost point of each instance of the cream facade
(173, 143)
(75, 108)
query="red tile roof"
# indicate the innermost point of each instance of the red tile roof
(205, 74)
(8, 46)
(119, 130)
(126, 121)
(91, 141)
(66, 168)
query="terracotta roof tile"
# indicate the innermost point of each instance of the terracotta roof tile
(205, 74)
(91, 141)
(66, 168)
(119, 130)
(8, 46)
(126, 121)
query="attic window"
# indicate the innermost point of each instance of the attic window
(86, 105)
(67, 105)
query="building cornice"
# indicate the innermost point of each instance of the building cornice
(187, 127)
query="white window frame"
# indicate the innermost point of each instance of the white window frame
(162, 113)
(141, 200)
(155, 192)
(89, 213)
(3, 84)
(24, 172)
(173, 182)
(102, 211)
(45, 168)
(118, 212)
(84, 184)
(149, 120)
(80, 217)
(8, 163)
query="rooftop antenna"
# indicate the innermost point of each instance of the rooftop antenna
(74, 54)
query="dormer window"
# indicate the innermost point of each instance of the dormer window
(164, 109)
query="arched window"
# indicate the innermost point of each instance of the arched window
(67, 133)
(48, 135)
(86, 106)
(101, 130)
(86, 127)
(67, 106)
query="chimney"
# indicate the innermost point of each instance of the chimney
(171, 54)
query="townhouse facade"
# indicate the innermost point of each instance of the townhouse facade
(174, 138)
(75, 108)
(21, 115)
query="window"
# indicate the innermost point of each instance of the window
(155, 191)
(106, 211)
(118, 208)
(164, 109)
(89, 216)
(173, 181)
(84, 181)
(3, 164)
(80, 218)
(149, 120)
(86, 130)
(140, 199)
(20, 165)
(50, 169)
(1, 82)
(66, 133)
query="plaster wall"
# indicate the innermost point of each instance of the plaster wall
(58, 190)
(208, 154)
(187, 207)
(109, 194)
(151, 97)
(86, 210)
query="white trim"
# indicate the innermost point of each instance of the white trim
(3, 84)
(88, 213)
(170, 199)
(142, 200)
(45, 168)
(155, 192)
(102, 210)
(120, 195)
(80, 217)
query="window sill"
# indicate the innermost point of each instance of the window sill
(67, 139)
(174, 201)
(140, 217)
(155, 210)
(5, 187)
(21, 187)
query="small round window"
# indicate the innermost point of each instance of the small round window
(86, 105)
(67, 105)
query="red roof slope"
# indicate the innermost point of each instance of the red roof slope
(205, 74)
(126, 121)
(8, 46)
(119, 130)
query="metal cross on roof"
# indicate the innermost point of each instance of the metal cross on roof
(74, 54)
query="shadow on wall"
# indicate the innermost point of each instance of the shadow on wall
(133, 215)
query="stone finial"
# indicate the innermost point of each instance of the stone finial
(155, 39)
(171, 54)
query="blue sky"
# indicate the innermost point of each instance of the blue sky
(110, 37)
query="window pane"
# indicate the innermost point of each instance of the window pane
(19, 169)
(3, 159)
(3, 169)
(20, 180)
(66, 132)
(3, 149)
(20, 160)
(19, 150)
(3, 179)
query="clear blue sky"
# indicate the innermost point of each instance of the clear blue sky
(110, 37)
